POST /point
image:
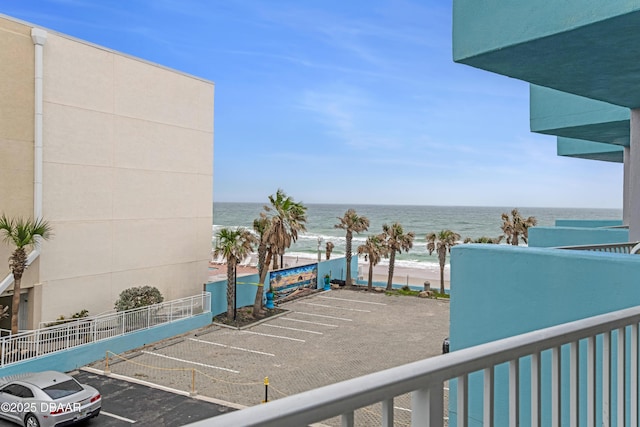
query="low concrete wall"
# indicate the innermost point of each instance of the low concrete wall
(246, 286)
(500, 291)
(548, 237)
(76, 357)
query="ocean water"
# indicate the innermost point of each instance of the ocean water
(468, 221)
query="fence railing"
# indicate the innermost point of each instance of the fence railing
(618, 248)
(31, 344)
(616, 334)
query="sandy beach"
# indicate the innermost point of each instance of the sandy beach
(402, 275)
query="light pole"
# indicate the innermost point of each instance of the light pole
(319, 243)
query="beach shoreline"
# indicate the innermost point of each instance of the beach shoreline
(402, 275)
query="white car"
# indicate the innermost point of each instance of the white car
(47, 399)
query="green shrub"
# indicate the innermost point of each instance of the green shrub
(140, 296)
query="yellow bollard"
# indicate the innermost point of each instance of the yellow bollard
(266, 390)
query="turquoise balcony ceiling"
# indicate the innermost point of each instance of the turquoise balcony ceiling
(562, 114)
(587, 47)
(582, 149)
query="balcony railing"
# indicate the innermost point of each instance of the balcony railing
(618, 248)
(617, 337)
(31, 344)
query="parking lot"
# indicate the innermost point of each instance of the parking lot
(326, 338)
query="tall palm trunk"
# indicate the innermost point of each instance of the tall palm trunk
(231, 289)
(392, 261)
(442, 257)
(17, 263)
(370, 282)
(348, 255)
(257, 302)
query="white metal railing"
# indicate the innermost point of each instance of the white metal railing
(618, 248)
(30, 344)
(425, 380)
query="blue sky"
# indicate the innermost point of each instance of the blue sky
(344, 101)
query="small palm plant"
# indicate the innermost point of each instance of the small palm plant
(352, 223)
(442, 243)
(23, 234)
(373, 250)
(234, 245)
(396, 240)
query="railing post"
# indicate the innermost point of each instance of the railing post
(633, 376)
(514, 393)
(4, 341)
(149, 317)
(574, 383)
(591, 381)
(535, 390)
(387, 413)
(123, 322)
(556, 362)
(427, 406)
(347, 420)
(606, 379)
(463, 405)
(487, 412)
(620, 377)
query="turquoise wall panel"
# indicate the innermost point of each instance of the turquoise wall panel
(500, 291)
(548, 237)
(77, 357)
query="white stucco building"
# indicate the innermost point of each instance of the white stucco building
(117, 154)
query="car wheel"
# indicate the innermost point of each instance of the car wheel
(31, 421)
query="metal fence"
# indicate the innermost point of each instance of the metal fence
(618, 248)
(31, 344)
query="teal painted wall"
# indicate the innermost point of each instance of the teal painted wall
(77, 357)
(547, 237)
(246, 288)
(489, 25)
(500, 291)
(563, 114)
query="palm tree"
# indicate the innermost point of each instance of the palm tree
(234, 245)
(516, 227)
(21, 233)
(373, 250)
(288, 218)
(396, 241)
(442, 243)
(330, 247)
(352, 223)
(260, 226)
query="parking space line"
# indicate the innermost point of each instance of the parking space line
(307, 321)
(117, 417)
(353, 300)
(324, 315)
(339, 308)
(235, 348)
(292, 329)
(272, 336)
(189, 361)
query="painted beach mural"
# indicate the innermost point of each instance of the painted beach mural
(288, 280)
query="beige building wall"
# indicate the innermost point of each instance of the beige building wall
(16, 132)
(127, 178)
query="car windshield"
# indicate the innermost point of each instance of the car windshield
(60, 390)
